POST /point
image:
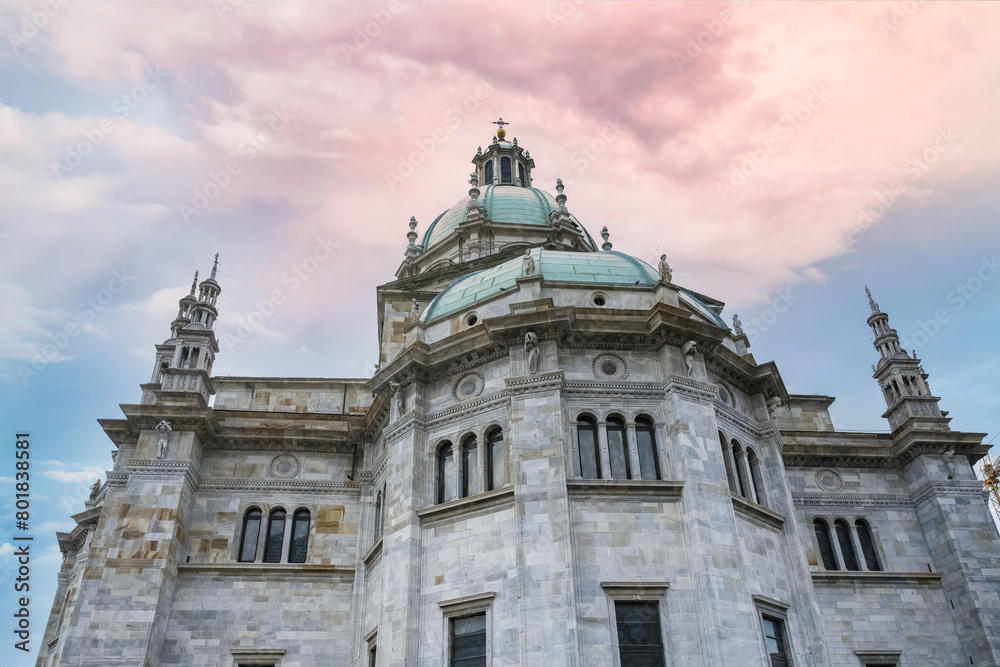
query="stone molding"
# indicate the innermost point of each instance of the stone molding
(476, 602)
(948, 489)
(736, 419)
(244, 569)
(467, 408)
(625, 489)
(374, 553)
(543, 381)
(614, 388)
(499, 353)
(635, 590)
(467, 508)
(851, 578)
(290, 444)
(852, 500)
(689, 388)
(279, 485)
(758, 513)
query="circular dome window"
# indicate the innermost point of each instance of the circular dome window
(469, 386)
(610, 366)
(472, 320)
(600, 299)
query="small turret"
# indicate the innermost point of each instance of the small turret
(183, 366)
(900, 377)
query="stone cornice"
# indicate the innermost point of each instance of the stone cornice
(314, 486)
(269, 570)
(624, 489)
(735, 419)
(469, 408)
(688, 388)
(852, 578)
(615, 388)
(751, 510)
(525, 384)
(852, 500)
(946, 489)
(159, 468)
(466, 508)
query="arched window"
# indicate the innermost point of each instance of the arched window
(378, 515)
(846, 546)
(520, 173)
(495, 472)
(739, 460)
(590, 459)
(727, 460)
(618, 448)
(251, 532)
(470, 467)
(505, 170)
(275, 536)
(645, 442)
(867, 545)
(446, 473)
(488, 173)
(300, 537)
(825, 544)
(754, 464)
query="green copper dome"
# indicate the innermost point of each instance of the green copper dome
(589, 268)
(504, 203)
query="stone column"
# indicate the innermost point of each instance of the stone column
(633, 450)
(602, 446)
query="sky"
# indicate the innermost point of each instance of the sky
(783, 156)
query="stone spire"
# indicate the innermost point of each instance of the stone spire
(560, 196)
(412, 249)
(901, 378)
(183, 367)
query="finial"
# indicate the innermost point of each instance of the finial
(605, 235)
(479, 151)
(527, 155)
(871, 302)
(194, 284)
(501, 133)
(413, 223)
(561, 197)
(515, 141)
(411, 235)
(474, 179)
(215, 267)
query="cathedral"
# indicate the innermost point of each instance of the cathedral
(564, 458)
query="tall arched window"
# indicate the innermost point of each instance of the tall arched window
(300, 537)
(470, 467)
(520, 173)
(505, 170)
(488, 173)
(275, 536)
(495, 472)
(739, 460)
(446, 473)
(590, 459)
(825, 544)
(645, 442)
(754, 464)
(846, 546)
(867, 541)
(251, 533)
(378, 515)
(727, 460)
(618, 448)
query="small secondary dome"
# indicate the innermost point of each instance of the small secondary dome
(588, 268)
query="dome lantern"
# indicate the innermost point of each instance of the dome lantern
(503, 162)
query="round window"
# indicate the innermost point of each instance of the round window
(471, 320)
(469, 387)
(599, 300)
(609, 368)
(723, 395)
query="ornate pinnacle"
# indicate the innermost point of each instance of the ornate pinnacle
(479, 151)
(474, 180)
(605, 235)
(194, 283)
(215, 267)
(560, 198)
(412, 234)
(871, 302)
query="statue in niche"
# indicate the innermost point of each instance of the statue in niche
(94, 490)
(689, 350)
(666, 273)
(414, 309)
(529, 264)
(164, 429)
(531, 347)
(949, 460)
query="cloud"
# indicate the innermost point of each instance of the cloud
(73, 473)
